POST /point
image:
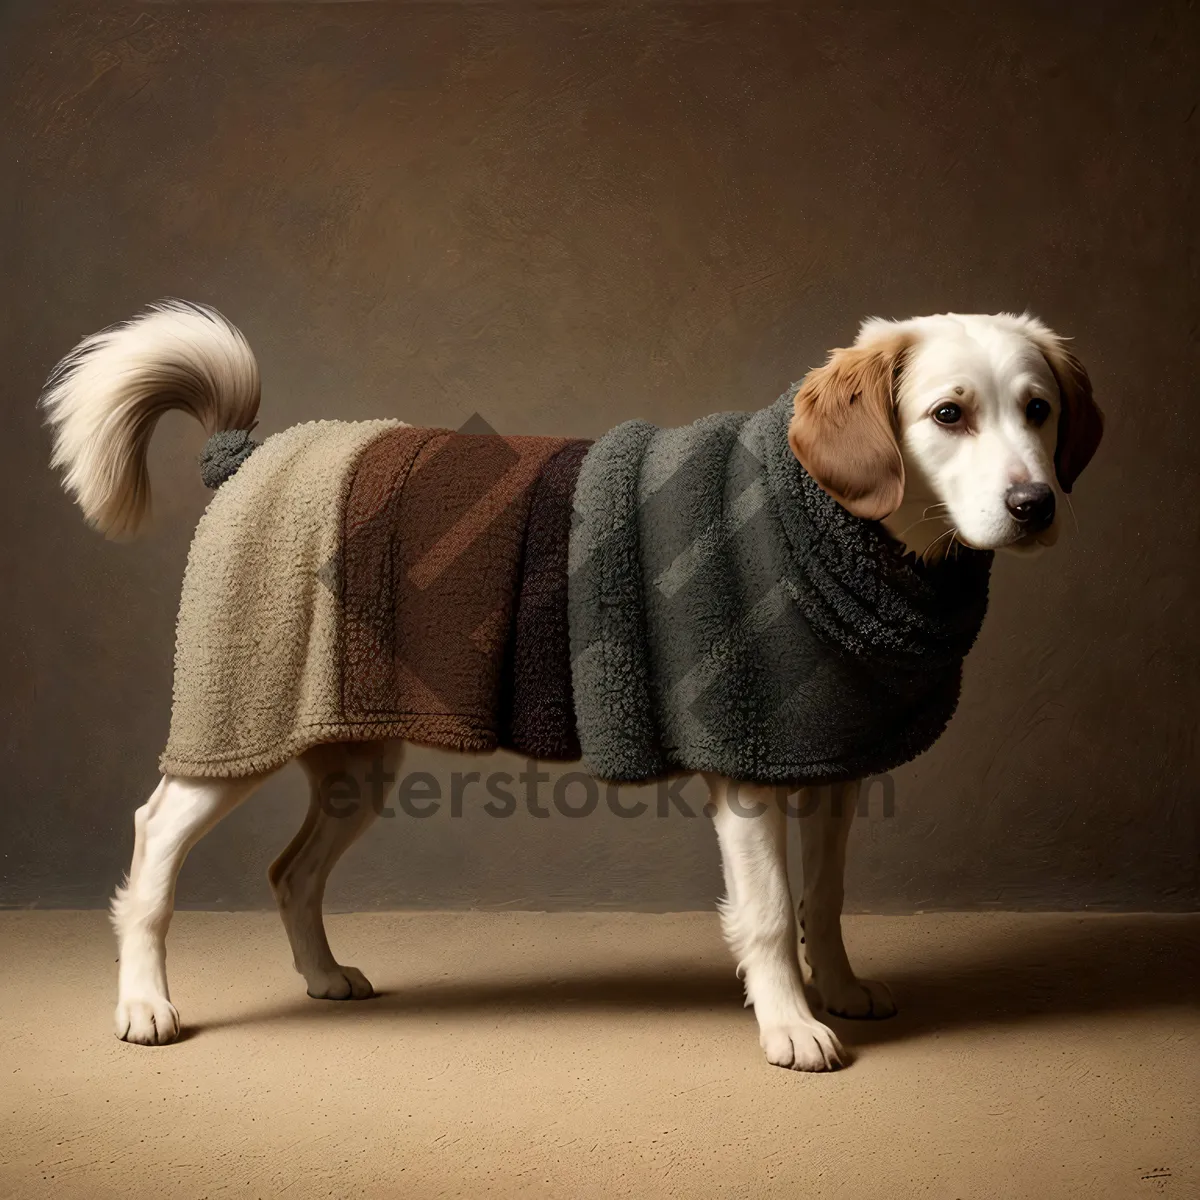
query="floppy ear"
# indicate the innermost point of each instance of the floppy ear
(1080, 421)
(844, 428)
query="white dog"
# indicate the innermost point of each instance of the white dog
(946, 429)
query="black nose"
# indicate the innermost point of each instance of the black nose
(1032, 504)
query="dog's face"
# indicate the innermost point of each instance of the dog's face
(950, 428)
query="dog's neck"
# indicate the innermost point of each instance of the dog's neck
(921, 526)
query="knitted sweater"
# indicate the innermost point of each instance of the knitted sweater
(727, 615)
(663, 600)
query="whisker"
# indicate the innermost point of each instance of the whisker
(1071, 507)
(952, 531)
(926, 517)
(935, 517)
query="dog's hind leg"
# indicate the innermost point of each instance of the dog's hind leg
(178, 814)
(824, 830)
(760, 926)
(349, 784)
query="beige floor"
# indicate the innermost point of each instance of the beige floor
(603, 1055)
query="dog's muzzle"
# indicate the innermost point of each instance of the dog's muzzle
(1032, 504)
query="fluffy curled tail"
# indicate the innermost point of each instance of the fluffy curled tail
(104, 399)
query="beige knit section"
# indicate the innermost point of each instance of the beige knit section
(256, 654)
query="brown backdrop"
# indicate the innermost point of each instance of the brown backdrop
(560, 216)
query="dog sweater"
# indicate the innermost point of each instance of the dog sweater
(662, 600)
(728, 615)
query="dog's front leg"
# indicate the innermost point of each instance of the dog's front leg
(824, 829)
(760, 927)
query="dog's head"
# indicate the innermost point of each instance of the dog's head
(950, 428)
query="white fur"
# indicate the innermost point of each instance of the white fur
(106, 396)
(177, 815)
(103, 402)
(760, 928)
(992, 364)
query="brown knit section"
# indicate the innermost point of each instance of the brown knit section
(540, 718)
(433, 534)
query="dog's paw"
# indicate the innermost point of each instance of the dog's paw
(148, 1021)
(802, 1045)
(859, 1000)
(342, 983)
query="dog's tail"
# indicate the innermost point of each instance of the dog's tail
(104, 399)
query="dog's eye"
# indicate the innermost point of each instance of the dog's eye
(1037, 410)
(947, 414)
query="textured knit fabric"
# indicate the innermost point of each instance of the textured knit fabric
(727, 615)
(433, 548)
(540, 719)
(257, 678)
(359, 581)
(716, 610)
(223, 454)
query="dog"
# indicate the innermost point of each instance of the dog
(948, 430)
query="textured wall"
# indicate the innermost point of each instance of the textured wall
(561, 216)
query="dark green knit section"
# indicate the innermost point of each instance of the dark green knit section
(727, 615)
(223, 453)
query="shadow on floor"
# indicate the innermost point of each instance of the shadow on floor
(1070, 968)
(1026, 972)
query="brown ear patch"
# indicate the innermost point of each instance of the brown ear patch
(1080, 421)
(844, 430)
